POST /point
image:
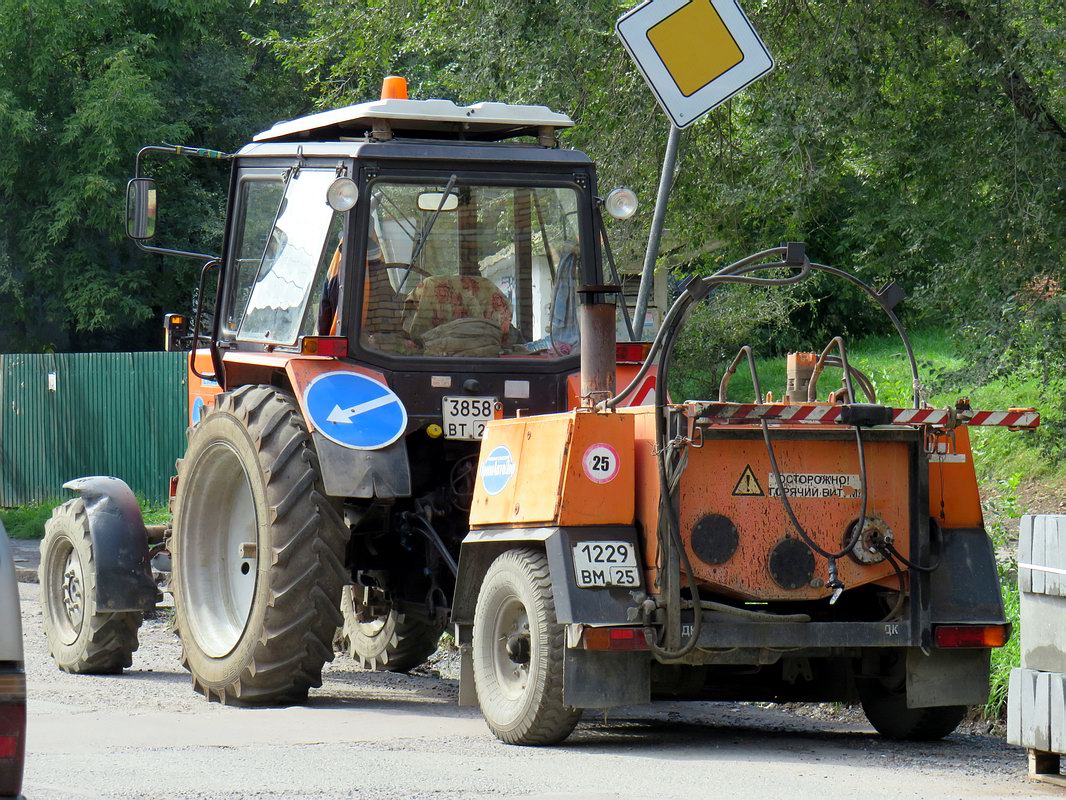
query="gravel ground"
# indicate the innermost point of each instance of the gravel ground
(379, 735)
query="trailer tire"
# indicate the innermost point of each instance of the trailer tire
(887, 711)
(518, 648)
(81, 639)
(393, 643)
(257, 551)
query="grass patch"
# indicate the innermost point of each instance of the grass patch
(1005, 658)
(27, 522)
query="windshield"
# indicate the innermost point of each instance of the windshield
(464, 270)
(295, 254)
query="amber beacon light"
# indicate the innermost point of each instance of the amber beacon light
(394, 87)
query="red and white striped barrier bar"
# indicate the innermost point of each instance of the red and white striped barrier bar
(825, 414)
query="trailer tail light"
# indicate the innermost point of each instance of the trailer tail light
(631, 352)
(12, 733)
(335, 346)
(971, 635)
(615, 639)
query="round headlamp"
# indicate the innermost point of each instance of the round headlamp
(342, 194)
(621, 203)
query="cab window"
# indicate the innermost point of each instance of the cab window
(259, 196)
(467, 270)
(295, 256)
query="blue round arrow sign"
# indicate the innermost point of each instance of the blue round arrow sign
(355, 411)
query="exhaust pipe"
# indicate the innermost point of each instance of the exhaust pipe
(596, 322)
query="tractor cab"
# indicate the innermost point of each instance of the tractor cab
(442, 247)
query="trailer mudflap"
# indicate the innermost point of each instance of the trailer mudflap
(947, 677)
(601, 679)
(120, 544)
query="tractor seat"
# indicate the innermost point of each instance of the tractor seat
(441, 299)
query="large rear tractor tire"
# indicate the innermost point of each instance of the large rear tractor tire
(257, 551)
(392, 641)
(518, 652)
(81, 638)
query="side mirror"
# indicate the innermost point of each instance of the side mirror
(140, 209)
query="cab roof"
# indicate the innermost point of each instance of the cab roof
(422, 118)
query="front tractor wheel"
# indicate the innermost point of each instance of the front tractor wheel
(81, 638)
(389, 641)
(518, 652)
(257, 553)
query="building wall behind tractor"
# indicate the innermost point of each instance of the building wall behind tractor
(119, 414)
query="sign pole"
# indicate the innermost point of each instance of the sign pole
(647, 276)
(695, 55)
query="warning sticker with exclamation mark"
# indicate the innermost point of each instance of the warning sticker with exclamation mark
(748, 485)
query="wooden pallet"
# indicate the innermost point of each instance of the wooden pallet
(1046, 767)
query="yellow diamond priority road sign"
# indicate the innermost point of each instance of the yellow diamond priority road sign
(695, 54)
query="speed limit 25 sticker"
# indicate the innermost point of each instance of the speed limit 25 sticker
(601, 463)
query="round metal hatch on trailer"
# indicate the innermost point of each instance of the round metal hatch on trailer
(791, 563)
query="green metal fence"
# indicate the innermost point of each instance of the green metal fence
(66, 415)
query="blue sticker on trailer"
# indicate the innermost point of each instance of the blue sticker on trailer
(497, 470)
(197, 410)
(355, 411)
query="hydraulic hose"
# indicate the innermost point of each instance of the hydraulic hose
(898, 606)
(669, 471)
(671, 466)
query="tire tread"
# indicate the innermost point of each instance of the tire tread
(308, 543)
(113, 636)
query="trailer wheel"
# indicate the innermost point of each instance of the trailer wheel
(257, 553)
(886, 709)
(518, 652)
(81, 639)
(392, 642)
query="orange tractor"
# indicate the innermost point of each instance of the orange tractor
(406, 418)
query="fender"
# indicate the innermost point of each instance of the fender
(572, 604)
(964, 588)
(120, 544)
(382, 473)
(622, 678)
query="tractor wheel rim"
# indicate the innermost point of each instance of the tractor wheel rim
(72, 592)
(220, 562)
(66, 591)
(373, 628)
(511, 653)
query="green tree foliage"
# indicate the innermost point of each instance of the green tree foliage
(82, 87)
(914, 140)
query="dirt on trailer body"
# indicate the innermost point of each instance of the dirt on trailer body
(383, 735)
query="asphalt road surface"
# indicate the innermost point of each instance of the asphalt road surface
(375, 735)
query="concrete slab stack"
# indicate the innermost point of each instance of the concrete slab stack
(1036, 706)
